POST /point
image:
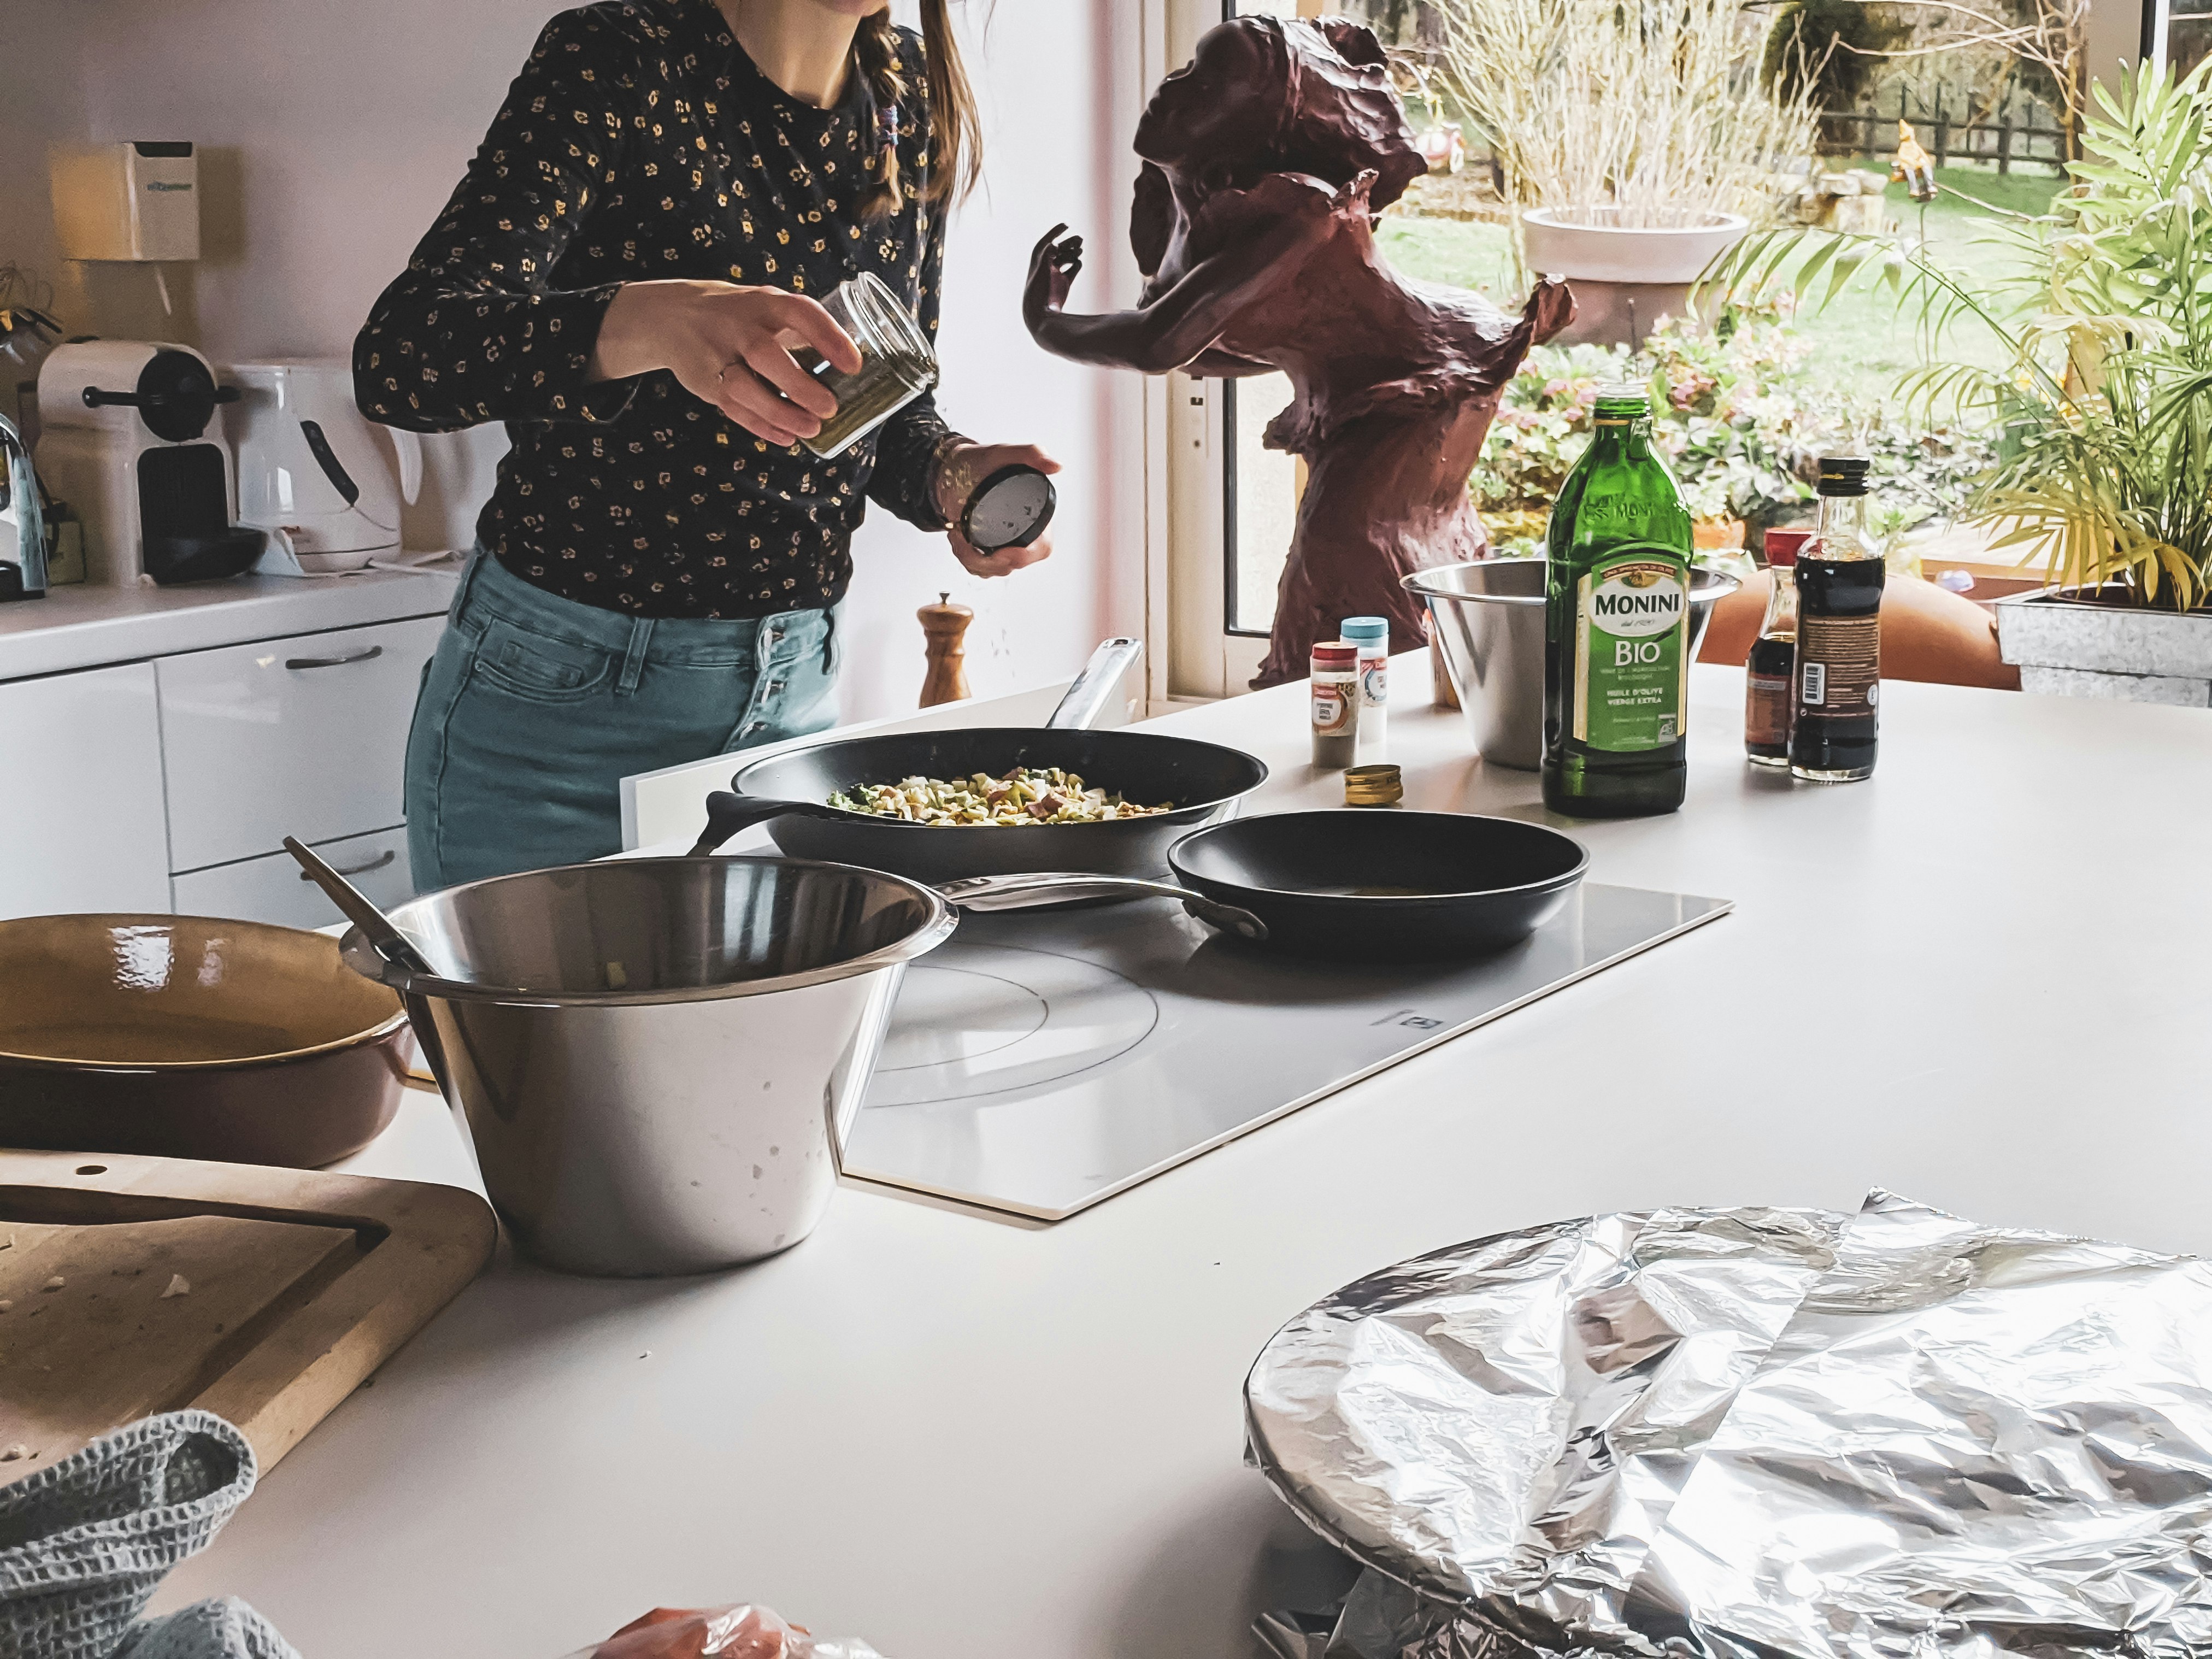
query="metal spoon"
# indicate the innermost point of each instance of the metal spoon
(386, 940)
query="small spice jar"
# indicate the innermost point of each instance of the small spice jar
(897, 364)
(1370, 637)
(1335, 686)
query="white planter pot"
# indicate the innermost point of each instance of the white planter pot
(1602, 252)
(1624, 278)
(2064, 648)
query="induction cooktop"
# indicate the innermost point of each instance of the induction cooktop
(1043, 1061)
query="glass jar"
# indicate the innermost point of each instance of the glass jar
(1370, 636)
(1335, 701)
(897, 364)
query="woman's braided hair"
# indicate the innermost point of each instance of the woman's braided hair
(956, 150)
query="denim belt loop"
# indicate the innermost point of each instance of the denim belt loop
(470, 563)
(633, 668)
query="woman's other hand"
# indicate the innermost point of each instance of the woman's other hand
(728, 346)
(1054, 263)
(733, 1633)
(958, 471)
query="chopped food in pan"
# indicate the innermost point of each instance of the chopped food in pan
(1025, 795)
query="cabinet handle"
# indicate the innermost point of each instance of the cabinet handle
(390, 854)
(334, 662)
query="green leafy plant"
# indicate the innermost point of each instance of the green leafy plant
(1743, 414)
(2103, 311)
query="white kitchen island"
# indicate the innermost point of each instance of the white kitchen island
(1980, 979)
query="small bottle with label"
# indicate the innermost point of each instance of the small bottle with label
(1370, 637)
(1839, 583)
(1335, 686)
(1770, 673)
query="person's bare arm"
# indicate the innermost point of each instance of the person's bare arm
(728, 346)
(1185, 319)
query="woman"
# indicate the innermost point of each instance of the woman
(1265, 161)
(618, 278)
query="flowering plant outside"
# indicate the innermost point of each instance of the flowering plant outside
(1742, 414)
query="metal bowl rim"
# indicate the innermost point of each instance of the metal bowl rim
(940, 920)
(1717, 585)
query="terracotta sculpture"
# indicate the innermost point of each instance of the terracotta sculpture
(1265, 161)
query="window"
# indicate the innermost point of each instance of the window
(2179, 33)
(1994, 135)
(1260, 501)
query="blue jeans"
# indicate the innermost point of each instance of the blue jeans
(535, 707)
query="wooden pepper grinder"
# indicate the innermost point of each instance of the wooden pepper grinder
(944, 625)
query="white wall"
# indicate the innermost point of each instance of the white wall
(335, 129)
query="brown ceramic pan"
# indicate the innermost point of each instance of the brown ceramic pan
(182, 1037)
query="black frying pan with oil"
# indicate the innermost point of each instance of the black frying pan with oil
(1374, 885)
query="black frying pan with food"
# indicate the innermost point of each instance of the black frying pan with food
(790, 792)
(1379, 885)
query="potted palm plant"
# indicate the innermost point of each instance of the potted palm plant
(1634, 142)
(2101, 398)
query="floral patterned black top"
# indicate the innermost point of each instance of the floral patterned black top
(640, 142)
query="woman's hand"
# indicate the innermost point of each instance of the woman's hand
(728, 346)
(959, 469)
(1054, 263)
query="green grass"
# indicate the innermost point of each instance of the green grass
(1861, 338)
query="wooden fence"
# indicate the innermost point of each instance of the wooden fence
(2007, 142)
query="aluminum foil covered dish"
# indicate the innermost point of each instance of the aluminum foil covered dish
(1735, 1434)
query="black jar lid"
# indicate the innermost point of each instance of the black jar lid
(1010, 508)
(1844, 475)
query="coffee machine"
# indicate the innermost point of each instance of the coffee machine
(125, 440)
(22, 525)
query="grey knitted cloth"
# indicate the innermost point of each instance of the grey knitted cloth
(84, 1544)
(227, 1629)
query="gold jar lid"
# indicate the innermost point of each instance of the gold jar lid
(1373, 785)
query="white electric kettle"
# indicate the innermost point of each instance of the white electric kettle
(310, 470)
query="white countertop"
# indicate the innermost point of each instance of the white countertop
(1978, 979)
(81, 625)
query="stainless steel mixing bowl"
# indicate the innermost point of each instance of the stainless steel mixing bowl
(659, 1058)
(1487, 617)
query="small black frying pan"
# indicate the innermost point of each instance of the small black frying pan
(1378, 885)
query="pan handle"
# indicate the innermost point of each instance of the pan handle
(726, 814)
(1100, 678)
(1022, 892)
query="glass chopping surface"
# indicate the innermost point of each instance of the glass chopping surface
(1041, 1061)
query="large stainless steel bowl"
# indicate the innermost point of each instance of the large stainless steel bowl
(659, 1058)
(1488, 621)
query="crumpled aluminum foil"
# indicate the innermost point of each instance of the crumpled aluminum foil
(1701, 1434)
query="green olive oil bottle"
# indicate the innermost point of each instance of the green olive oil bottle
(1616, 625)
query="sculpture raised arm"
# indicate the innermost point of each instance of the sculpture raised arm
(1267, 160)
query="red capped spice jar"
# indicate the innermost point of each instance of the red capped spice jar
(1335, 685)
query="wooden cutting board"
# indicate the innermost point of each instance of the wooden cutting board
(130, 1285)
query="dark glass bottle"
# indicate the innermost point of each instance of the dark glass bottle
(1616, 625)
(1770, 691)
(1839, 581)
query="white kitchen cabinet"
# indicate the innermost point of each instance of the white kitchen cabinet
(273, 887)
(304, 736)
(81, 812)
